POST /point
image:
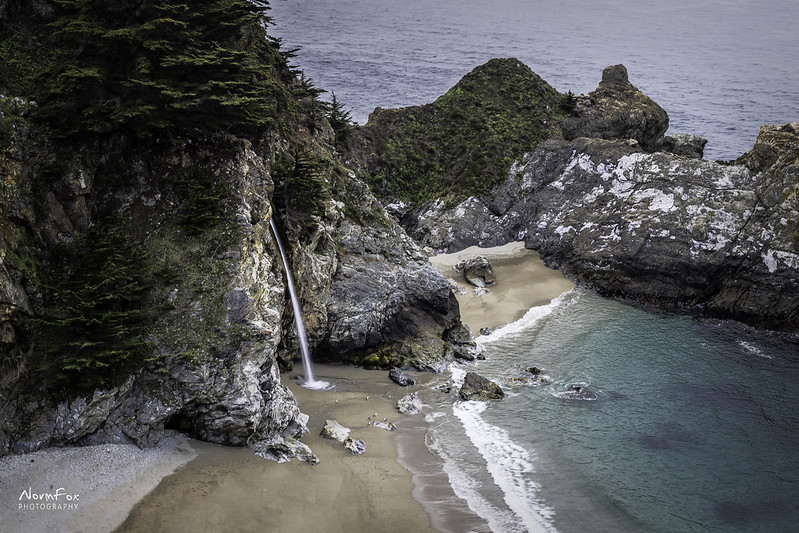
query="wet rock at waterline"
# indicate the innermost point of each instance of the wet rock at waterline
(410, 404)
(381, 424)
(401, 378)
(477, 387)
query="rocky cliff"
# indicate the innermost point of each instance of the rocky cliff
(220, 323)
(141, 287)
(631, 213)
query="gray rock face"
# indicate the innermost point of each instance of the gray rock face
(232, 395)
(685, 144)
(476, 387)
(657, 227)
(385, 296)
(477, 271)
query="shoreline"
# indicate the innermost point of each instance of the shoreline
(232, 489)
(397, 485)
(523, 282)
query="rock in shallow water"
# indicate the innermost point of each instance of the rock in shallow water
(476, 387)
(401, 378)
(410, 404)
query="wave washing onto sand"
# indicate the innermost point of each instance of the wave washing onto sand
(530, 318)
(510, 466)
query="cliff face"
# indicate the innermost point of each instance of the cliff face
(630, 213)
(217, 322)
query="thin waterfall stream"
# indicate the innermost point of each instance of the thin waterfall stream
(310, 382)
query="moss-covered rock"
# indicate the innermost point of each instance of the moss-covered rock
(462, 144)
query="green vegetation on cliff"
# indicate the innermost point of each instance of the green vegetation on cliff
(462, 144)
(146, 67)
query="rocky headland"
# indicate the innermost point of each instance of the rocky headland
(141, 287)
(631, 213)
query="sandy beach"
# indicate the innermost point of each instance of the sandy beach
(397, 485)
(523, 281)
(89, 489)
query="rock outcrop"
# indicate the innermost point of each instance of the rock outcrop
(616, 109)
(631, 214)
(478, 388)
(477, 271)
(654, 227)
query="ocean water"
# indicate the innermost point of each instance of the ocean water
(682, 424)
(720, 68)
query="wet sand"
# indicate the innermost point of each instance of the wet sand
(523, 281)
(228, 489)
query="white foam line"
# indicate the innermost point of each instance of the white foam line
(509, 465)
(532, 316)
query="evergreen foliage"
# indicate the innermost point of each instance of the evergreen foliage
(204, 199)
(93, 330)
(340, 120)
(462, 144)
(301, 190)
(143, 66)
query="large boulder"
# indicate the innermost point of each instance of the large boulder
(478, 388)
(477, 271)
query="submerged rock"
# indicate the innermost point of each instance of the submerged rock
(476, 387)
(382, 424)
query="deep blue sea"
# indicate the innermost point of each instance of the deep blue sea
(683, 424)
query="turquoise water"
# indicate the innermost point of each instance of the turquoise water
(682, 424)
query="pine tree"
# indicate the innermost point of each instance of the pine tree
(340, 120)
(149, 65)
(94, 328)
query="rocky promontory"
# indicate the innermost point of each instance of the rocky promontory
(629, 212)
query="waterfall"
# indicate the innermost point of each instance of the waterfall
(310, 381)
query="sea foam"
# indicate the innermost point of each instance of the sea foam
(510, 466)
(530, 318)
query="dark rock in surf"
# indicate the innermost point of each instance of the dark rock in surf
(476, 387)
(401, 378)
